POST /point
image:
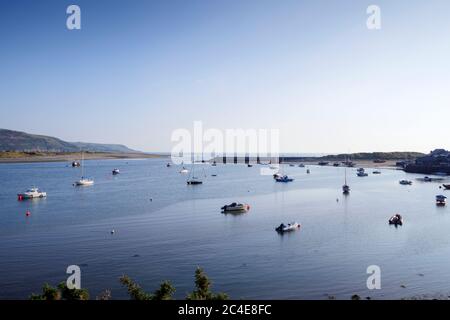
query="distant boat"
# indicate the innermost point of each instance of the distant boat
(293, 226)
(283, 179)
(32, 193)
(249, 165)
(214, 163)
(405, 182)
(446, 186)
(427, 179)
(376, 172)
(361, 173)
(193, 180)
(184, 170)
(168, 165)
(301, 165)
(235, 208)
(115, 171)
(75, 164)
(396, 219)
(308, 171)
(441, 200)
(336, 164)
(83, 181)
(323, 163)
(345, 187)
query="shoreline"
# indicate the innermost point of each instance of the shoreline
(69, 157)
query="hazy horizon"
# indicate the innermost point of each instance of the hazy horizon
(136, 72)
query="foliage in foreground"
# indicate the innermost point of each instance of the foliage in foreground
(165, 291)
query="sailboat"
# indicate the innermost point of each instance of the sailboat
(193, 180)
(83, 181)
(345, 187)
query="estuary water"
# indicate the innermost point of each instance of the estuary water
(164, 229)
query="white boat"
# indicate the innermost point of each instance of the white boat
(293, 226)
(184, 170)
(192, 179)
(31, 194)
(115, 171)
(235, 207)
(396, 219)
(405, 182)
(83, 181)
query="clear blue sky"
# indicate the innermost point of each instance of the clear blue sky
(137, 70)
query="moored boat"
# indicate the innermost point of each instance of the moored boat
(31, 193)
(283, 179)
(396, 219)
(405, 182)
(441, 200)
(115, 171)
(293, 226)
(446, 186)
(235, 207)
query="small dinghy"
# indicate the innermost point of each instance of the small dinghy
(345, 189)
(31, 194)
(405, 182)
(446, 186)
(283, 179)
(249, 165)
(235, 207)
(376, 172)
(168, 165)
(441, 200)
(396, 219)
(282, 228)
(194, 181)
(115, 171)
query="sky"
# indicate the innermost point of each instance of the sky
(138, 70)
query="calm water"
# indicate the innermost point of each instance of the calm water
(182, 228)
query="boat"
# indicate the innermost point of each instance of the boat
(277, 175)
(405, 182)
(83, 181)
(427, 179)
(441, 200)
(283, 179)
(168, 165)
(376, 172)
(308, 171)
(301, 165)
(32, 193)
(396, 219)
(323, 163)
(249, 165)
(214, 163)
(362, 173)
(184, 170)
(115, 171)
(345, 187)
(287, 228)
(235, 207)
(193, 180)
(446, 186)
(291, 165)
(336, 164)
(75, 164)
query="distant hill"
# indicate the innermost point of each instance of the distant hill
(11, 140)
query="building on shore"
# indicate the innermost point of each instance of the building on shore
(436, 162)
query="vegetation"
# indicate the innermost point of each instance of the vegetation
(61, 292)
(164, 292)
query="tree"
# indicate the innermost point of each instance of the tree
(165, 291)
(203, 291)
(61, 292)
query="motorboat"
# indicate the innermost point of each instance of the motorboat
(362, 173)
(345, 189)
(249, 165)
(115, 171)
(194, 181)
(405, 182)
(376, 172)
(184, 170)
(360, 170)
(75, 164)
(441, 200)
(32, 193)
(301, 165)
(235, 207)
(396, 219)
(283, 179)
(84, 182)
(427, 179)
(446, 186)
(293, 226)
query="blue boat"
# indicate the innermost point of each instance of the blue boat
(284, 179)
